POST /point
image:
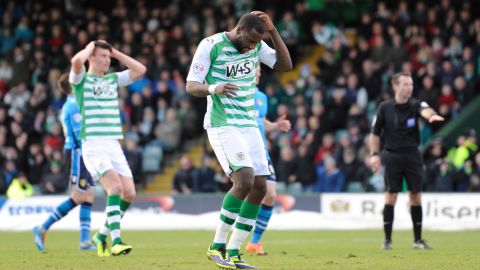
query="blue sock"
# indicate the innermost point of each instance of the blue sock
(59, 213)
(85, 219)
(261, 223)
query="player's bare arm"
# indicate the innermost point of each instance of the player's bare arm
(284, 62)
(202, 90)
(79, 59)
(136, 68)
(431, 115)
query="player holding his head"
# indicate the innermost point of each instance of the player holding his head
(223, 70)
(282, 124)
(80, 180)
(96, 92)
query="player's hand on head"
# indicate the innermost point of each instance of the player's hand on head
(284, 124)
(226, 89)
(265, 18)
(90, 45)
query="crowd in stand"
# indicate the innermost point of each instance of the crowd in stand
(330, 111)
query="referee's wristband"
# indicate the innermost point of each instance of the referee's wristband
(374, 154)
(211, 88)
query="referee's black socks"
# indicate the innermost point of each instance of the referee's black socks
(417, 217)
(388, 221)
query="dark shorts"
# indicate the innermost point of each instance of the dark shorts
(79, 176)
(403, 165)
(272, 177)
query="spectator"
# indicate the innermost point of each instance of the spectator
(55, 181)
(146, 127)
(167, 134)
(133, 154)
(9, 171)
(184, 177)
(19, 188)
(17, 98)
(443, 177)
(286, 166)
(204, 177)
(324, 33)
(329, 177)
(304, 168)
(350, 167)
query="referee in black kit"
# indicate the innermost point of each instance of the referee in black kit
(397, 123)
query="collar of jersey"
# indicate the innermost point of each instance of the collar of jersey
(225, 38)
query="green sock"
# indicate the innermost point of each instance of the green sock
(104, 231)
(230, 209)
(113, 217)
(243, 225)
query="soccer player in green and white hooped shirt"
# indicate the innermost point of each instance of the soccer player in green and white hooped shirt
(96, 92)
(223, 69)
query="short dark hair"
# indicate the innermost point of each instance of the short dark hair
(64, 85)
(103, 45)
(250, 22)
(396, 77)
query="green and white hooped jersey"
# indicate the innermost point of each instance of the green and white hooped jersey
(97, 98)
(217, 61)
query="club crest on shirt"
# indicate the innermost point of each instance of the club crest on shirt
(259, 102)
(240, 156)
(83, 183)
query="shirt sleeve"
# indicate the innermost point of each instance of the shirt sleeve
(422, 106)
(378, 122)
(123, 78)
(76, 124)
(74, 78)
(201, 61)
(267, 55)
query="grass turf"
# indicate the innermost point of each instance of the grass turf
(287, 250)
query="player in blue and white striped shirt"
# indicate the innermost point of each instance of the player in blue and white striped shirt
(81, 181)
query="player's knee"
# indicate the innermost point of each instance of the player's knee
(114, 188)
(129, 195)
(76, 199)
(260, 188)
(244, 186)
(270, 196)
(243, 180)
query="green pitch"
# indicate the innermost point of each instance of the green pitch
(287, 250)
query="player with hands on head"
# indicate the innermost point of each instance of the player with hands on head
(96, 92)
(224, 69)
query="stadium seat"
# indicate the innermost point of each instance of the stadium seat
(152, 156)
(355, 187)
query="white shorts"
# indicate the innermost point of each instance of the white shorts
(238, 148)
(101, 155)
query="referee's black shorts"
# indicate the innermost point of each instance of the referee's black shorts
(403, 165)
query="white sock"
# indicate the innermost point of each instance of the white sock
(237, 239)
(239, 235)
(223, 228)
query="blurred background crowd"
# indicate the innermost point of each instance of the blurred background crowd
(330, 104)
